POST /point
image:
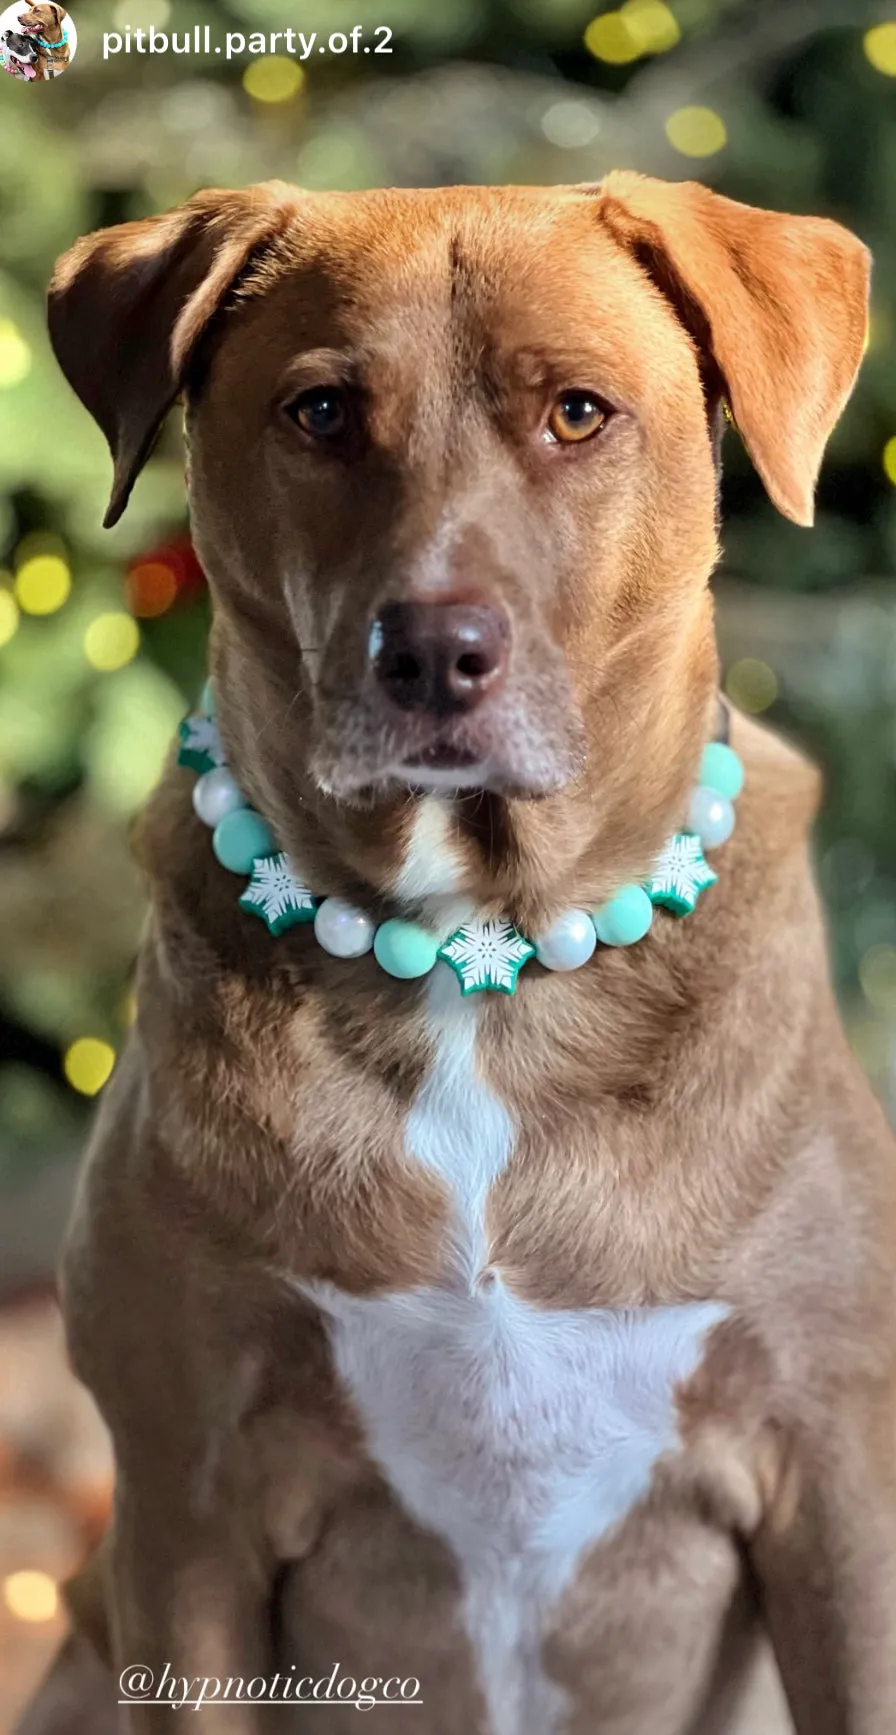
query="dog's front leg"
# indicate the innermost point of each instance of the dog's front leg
(189, 1604)
(825, 1558)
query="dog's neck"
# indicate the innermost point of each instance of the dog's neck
(428, 854)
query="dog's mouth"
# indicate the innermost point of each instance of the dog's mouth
(362, 759)
(442, 756)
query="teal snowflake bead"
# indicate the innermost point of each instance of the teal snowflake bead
(404, 949)
(277, 894)
(625, 918)
(200, 744)
(680, 874)
(721, 770)
(486, 954)
(240, 837)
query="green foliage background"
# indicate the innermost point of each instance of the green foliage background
(475, 90)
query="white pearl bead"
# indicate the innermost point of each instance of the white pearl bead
(215, 794)
(711, 816)
(568, 942)
(343, 930)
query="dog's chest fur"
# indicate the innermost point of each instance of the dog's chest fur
(518, 1434)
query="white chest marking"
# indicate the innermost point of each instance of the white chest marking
(457, 1125)
(431, 867)
(519, 1435)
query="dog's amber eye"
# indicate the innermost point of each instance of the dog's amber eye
(321, 412)
(575, 416)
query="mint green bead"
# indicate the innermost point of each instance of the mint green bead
(624, 918)
(405, 950)
(207, 701)
(721, 770)
(240, 837)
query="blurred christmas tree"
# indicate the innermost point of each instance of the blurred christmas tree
(781, 103)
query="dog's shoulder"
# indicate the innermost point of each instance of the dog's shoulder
(779, 779)
(766, 868)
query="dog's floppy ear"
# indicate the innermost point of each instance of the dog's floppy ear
(777, 304)
(127, 306)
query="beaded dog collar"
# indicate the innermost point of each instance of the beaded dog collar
(42, 42)
(482, 954)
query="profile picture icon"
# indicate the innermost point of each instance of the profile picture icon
(36, 41)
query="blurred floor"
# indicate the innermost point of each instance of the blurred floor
(55, 1484)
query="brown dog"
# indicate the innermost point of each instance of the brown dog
(45, 24)
(537, 1347)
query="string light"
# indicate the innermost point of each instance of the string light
(696, 132)
(752, 685)
(140, 14)
(9, 615)
(653, 26)
(87, 1064)
(879, 44)
(15, 355)
(888, 459)
(111, 641)
(273, 79)
(31, 1596)
(877, 974)
(638, 27)
(570, 125)
(610, 38)
(43, 584)
(151, 588)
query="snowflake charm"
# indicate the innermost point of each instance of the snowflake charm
(486, 955)
(680, 874)
(200, 744)
(276, 895)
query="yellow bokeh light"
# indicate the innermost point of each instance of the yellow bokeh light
(696, 132)
(273, 79)
(752, 684)
(15, 355)
(869, 1042)
(140, 14)
(111, 641)
(38, 542)
(9, 615)
(877, 974)
(43, 584)
(609, 38)
(87, 1064)
(652, 24)
(888, 459)
(31, 1596)
(879, 44)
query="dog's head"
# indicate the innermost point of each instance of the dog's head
(43, 19)
(19, 48)
(454, 462)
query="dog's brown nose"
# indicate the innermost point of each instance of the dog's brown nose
(440, 657)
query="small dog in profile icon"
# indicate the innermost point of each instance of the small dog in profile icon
(44, 24)
(18, 55)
